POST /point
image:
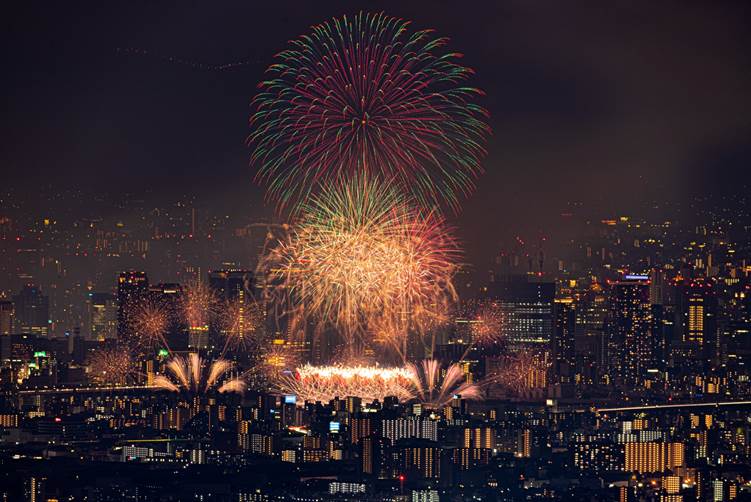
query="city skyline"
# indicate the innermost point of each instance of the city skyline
(496, 252)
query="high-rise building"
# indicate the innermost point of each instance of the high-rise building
(232, 284)
(724, 490)
(102, 316)
(36, 489)
(564, 353)
(235, 286)
(524, 444)
(169, 297)
(479, 437)
(32, 311)
(648, 457)
(469, 458)
(413, 427)
(353, 404)
(591, 343)
(132, 288)
(631, 346)
(596, 452)
(419, 457)
(737, 345)
(671, 485)
(657, 287)
(663, 330)
(696, 327)
(6, 317)
(373, 451)
(527, 309)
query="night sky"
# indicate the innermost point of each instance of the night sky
(606, 103)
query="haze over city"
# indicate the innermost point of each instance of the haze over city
(397, 251)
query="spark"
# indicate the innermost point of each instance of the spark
(487, 323)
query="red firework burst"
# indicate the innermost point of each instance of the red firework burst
(367, 92)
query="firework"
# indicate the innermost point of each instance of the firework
(368, 94)
(487, 324)
(149, 321)
(520, 372)
(199, 305)
(363, 259)
(193, 375)
(436, 387)
(241, 325)
(111, 366)
(324, 383)
(278, 359)
(272, 362)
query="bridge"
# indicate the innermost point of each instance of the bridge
(657, 407)
(93, 389)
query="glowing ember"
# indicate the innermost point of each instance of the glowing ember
(521, 372)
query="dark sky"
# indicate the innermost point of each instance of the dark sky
(608, 103)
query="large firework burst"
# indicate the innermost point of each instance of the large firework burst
(435, 386)
(111, 366)
(362, 258)
(193, 375)
(367, 93)
(324, 383)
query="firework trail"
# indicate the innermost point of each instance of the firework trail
(172, 59)
(367, 93)
(436, 387)
(111, 366)
(192, 375)
(363, 259)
